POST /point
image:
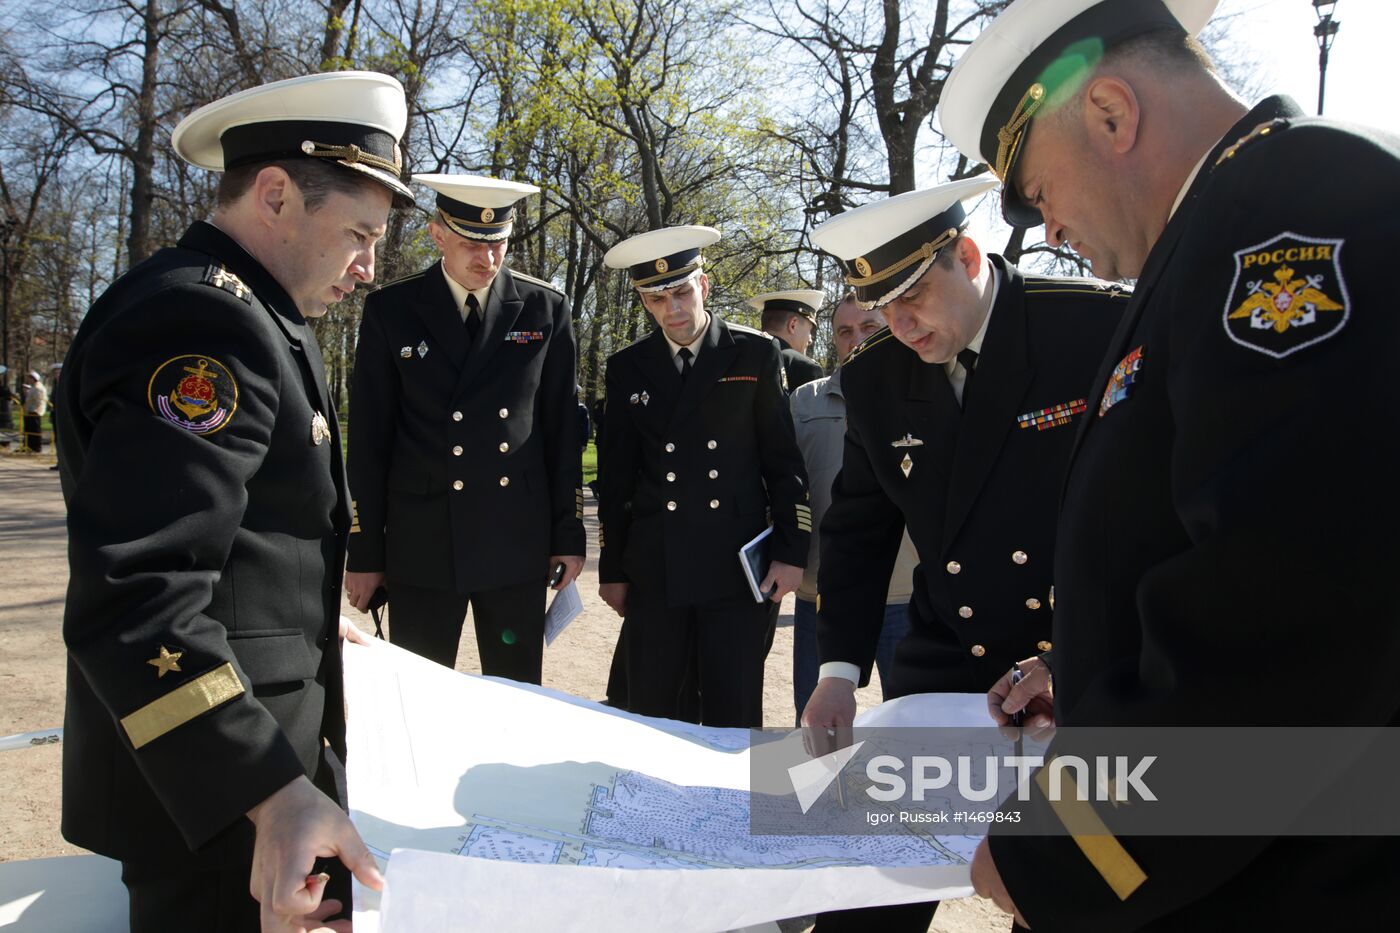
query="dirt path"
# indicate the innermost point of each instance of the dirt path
(33, 553)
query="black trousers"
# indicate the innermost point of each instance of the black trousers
(34, 433)
(509, 626)
(716, 648)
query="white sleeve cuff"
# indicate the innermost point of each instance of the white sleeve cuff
(843, 669)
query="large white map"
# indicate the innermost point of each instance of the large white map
(494, 805)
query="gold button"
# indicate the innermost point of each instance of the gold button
(505, 480)
(714, 474)
(714, 503)
(1043, 645)
(504, 447)
(457, 451)
(712, 444)
(1032, 603)
(456, 416)
(965, 611)
(1019, 557)
(457, 485)
(670, 448)
(670, 506)
(978, 651)
(954, 567)
(670, 477)
(504, 413)
(1052, 598)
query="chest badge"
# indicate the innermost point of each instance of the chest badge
(1054, 416)
(320, 430)
(908, 440)
(406, 352)
(906, 465)
(1288, 293)
(642, 398)
(1122, 382)
(422, 349)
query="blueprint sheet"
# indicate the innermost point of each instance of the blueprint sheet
(499, 806)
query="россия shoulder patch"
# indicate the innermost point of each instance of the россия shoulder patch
(1288, 293)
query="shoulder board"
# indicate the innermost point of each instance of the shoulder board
(1266, 128)
(1049, 285)
(745, 329)
(405, 278)
(219, 277)
(534, 281)
(883, 335)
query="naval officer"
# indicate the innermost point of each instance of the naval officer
(791, 317)
(960, 417)
(1228, 425)
(464, 458)
(207, 520)
(698, 453)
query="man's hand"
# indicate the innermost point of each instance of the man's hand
(294, 827)
(986, 881)
(360, 586)
(1034, 695)
(615, 595)
(785, 577)
(573, 566)
(826, 721)
(351, 631)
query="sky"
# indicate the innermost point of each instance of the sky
(1278, 35)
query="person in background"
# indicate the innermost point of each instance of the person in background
(36, 405)
(819, 418)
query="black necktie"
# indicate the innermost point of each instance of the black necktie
(685, 356)
(473, 321)
(968, 358)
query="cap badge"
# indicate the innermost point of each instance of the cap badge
(662, 266)
(320, 430)
(863, 265)
(487, 215)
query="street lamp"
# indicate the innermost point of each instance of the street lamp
(1325, 31)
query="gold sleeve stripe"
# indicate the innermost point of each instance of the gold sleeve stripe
(1087, 829)
(182, 704)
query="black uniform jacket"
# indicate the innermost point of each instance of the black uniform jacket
(798, 369)
(207, 516)
(1227, 543)
(980, 492)
(691, 472)
(464, 458)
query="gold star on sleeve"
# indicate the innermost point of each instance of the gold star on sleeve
(168, 661)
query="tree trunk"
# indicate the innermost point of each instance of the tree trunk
(143, 157)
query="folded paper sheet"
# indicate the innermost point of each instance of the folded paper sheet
(510, 807)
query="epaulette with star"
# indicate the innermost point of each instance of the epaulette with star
(1049, 285)
(534, 281)
(219, 277)
(869, 343)
(404, 278)
(1264, 129)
